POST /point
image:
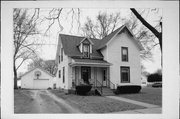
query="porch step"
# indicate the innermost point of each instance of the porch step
(107, 91)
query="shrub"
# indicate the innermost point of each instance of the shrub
(127, 89)
(49, 88)
(83, 89)
(156, 77)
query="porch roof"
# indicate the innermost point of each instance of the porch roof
(89, 62)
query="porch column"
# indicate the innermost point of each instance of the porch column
(95, 76)
(75, 75)
(72, 77)
(108, 77)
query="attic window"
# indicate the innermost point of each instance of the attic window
(86, 49)
(124, 51)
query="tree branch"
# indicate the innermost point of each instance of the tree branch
(151, 28)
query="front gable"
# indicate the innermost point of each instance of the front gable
(122, 29)
(37, 69)
(125, 34)
(85, 41)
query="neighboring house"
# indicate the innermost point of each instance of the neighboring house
(37, 78)
(109, 62)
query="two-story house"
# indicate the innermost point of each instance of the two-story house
(108, 62)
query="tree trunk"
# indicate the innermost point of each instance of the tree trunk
(15, 76)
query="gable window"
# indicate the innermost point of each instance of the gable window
(63, 74)
(125, 75)
(124, 52)
(59, 73)
(61, 54)
(86, 50)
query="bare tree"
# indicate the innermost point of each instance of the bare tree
(150, 27)
(54, 15)
(105, 24)
(48, 65)
(24, 43)
(37, 62)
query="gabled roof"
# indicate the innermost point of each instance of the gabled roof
(87, 39)
(37, 68)
(106, 39)
(70, 42)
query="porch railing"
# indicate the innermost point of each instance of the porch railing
(98, 86)
(110, 84)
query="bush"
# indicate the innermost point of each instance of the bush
(83, 89)
(127, 89)
(49, 88)
(154, 77)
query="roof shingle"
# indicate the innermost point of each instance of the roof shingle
(71, 49)
(70, 44)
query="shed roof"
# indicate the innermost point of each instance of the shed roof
(90, 62)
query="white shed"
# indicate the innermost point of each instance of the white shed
(37, 78)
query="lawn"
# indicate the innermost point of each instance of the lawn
(22, 98)
(95, 104)
(148, 95)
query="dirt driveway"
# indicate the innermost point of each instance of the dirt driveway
(44, 101)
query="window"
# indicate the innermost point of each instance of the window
(125, 75)
(86, 74)
(59, 59)
(124, 51)
(104, 75)
(59, 73)
(63, 74)
(61, 54)
(86, 50)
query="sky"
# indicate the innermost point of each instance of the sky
(48, 51)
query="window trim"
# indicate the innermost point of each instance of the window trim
(59, 59)
(59, 73)
(125, 67)
(88, 50)
(63, 74)
(122, 48)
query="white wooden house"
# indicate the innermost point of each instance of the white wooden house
(108, 62)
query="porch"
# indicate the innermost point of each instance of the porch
(91, 72)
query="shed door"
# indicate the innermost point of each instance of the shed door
(41, 83)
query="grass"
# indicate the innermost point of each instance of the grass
(148, 95)
(22, 101)
(95, 104)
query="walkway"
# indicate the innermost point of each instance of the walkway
(46, 102)
(150, 108)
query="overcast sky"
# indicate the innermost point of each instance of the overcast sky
(49, 51)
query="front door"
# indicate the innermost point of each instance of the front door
(85, 74)
(104, 77)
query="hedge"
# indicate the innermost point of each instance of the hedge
(83, 89)
(154, 77)
(127, 89)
